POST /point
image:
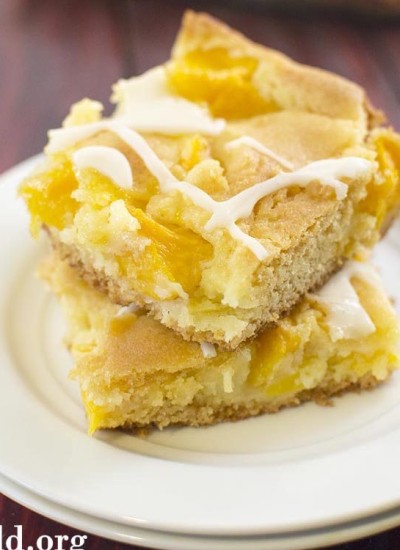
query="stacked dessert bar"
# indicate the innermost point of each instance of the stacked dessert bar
(210, 239)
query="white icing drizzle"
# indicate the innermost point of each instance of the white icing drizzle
(257, 146)
(224, 214)
(346, 316)
(61, 138)
(149, 106)
(127, 310)
(326, 172)
(208, 350)
(106, 160)
(146, 104)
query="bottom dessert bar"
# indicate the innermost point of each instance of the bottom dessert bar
(133, 372)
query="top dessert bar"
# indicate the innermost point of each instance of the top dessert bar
(227, 184)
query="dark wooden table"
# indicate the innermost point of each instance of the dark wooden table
(53, 52)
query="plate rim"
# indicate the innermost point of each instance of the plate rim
(133, 535)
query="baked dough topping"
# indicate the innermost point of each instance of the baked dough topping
(145, 95)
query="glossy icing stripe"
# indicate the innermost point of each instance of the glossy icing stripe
(225, 214)
(260, 148)
(137, 98)
(108, 161)
(346, 316)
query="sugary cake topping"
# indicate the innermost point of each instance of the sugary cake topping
(326, 172)
(108, 161)
(260, 148)
(224, 214)
(346, 316)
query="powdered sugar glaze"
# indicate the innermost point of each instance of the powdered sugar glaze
(148, 94)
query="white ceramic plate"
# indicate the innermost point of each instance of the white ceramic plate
(169, 541)
(305, 468)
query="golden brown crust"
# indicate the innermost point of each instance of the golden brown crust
(305, 88)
